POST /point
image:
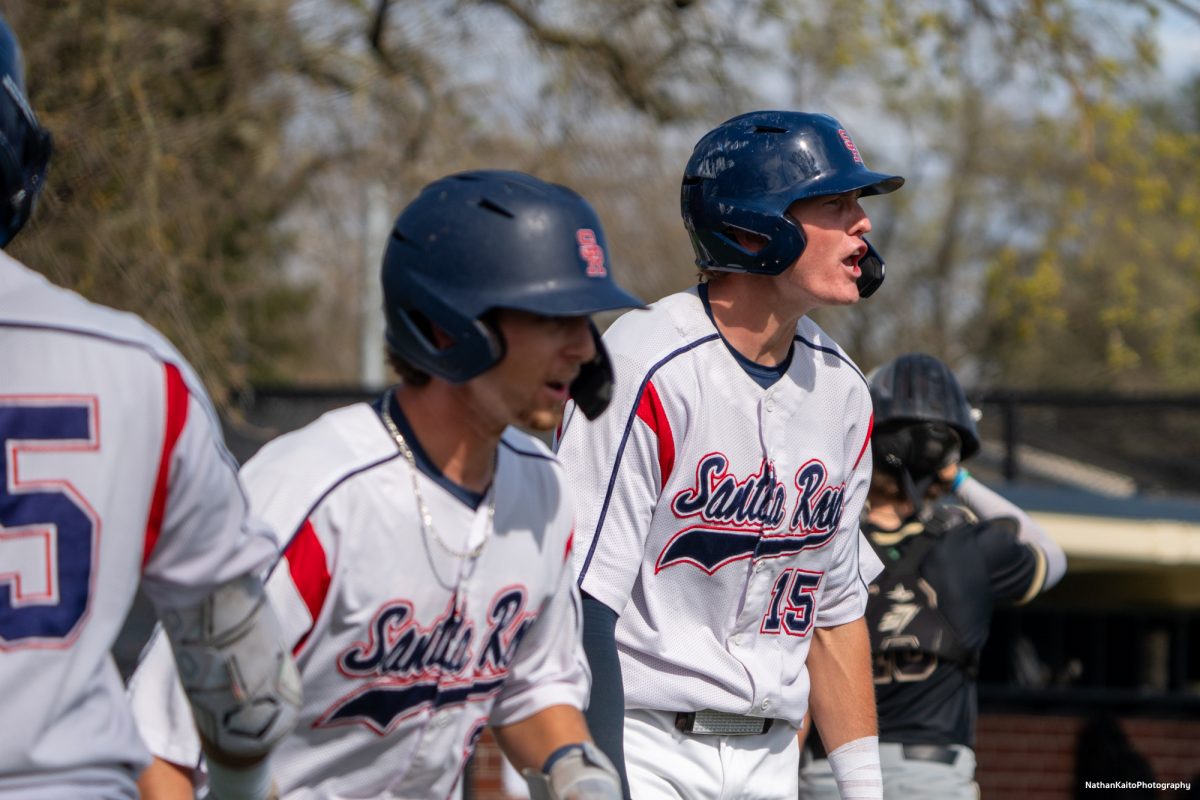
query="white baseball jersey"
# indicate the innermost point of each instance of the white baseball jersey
(114, 472)
(719, 518)
(406, 651)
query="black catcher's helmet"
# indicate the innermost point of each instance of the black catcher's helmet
(489, 239)
(24, 145)
(923, 421)
(745, 173)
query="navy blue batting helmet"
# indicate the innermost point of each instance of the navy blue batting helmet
(24, 145)
(490, 239)
(744, 175)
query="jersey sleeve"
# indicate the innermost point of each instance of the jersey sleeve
(1016, 569)
(989, 504)
(550, 667)
(160, 708)
(615, 468)
(869, 565)
(843, 593)
(200, 533)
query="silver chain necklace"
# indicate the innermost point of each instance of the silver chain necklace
(427, 518)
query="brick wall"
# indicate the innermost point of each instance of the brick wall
(1029, 757)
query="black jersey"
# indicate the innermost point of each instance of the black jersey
(929, 613)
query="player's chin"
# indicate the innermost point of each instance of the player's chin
(842, 297)
(846, 292)
(543, 418)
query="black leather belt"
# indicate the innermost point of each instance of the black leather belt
(720, 723)
(940, 753)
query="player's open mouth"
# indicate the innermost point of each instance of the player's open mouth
(851, 261)
(559, 388)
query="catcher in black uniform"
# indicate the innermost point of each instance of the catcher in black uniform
(952, 549)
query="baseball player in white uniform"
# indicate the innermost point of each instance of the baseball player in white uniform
(717, 541)
(425, 584)
(114, 474)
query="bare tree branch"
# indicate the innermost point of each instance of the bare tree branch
(630, 77)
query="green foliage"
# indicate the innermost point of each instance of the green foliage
(1105, 296)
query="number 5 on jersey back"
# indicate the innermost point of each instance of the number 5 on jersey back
(47, 530)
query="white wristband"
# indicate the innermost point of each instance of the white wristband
(252, 783)
(856, 769)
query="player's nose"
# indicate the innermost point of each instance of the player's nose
(861, 223)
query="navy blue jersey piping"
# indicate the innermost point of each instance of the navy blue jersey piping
(321, 499)
(105, 337)
(529, 453)
(835, 353)
(222, 448)
(612, 479)
(762, 374)
(424, 463)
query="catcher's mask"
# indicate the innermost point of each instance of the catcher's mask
(923, 422)
(489, 239)
(24, 145)
(744, 175)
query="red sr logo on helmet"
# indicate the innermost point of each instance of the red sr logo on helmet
(850, 146)
(591, 252)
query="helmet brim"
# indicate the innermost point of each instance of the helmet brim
(868, 182)
(882, 184)
(569, 301)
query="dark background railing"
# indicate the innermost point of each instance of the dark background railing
(1153, 439)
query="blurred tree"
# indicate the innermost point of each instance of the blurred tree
(216, 163)
(1101, 290)
(958, 86)
(167, 175)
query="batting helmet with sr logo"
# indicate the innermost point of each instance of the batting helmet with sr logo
(923, 421)
(490, 239)
(24, 145)
(744, 175)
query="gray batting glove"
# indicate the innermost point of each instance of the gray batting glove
(582, 773)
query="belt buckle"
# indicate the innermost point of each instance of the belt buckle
(720, 723)
(937, 753)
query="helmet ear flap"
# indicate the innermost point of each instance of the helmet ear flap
(593, 387)
(872, 272)
(474, 347)
(717, 248)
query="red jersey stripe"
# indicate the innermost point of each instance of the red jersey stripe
(176, 418)
(310, 573)
(651, 411)
(867, 443)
